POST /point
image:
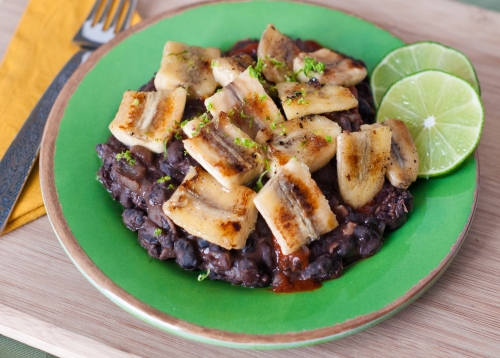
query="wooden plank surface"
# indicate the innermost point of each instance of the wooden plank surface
(46, 302)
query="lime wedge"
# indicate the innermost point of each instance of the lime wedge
(443, 113)
(416, 57)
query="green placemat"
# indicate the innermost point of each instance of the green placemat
(10, 348)
(487, 4)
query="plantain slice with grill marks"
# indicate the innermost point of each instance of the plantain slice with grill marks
(277, 52)
(294, 207)
(312, 140)
(204, 208)
(300, 99)
(402, 169)
(148, 118)
(225, 151)
(335, 69)
(226, 69)
(362, 160)
(189, 67)
(246, 104)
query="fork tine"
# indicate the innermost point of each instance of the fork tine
(116, 18)
(92, 33)
(105, 12)
(93, 12)
(128, 16)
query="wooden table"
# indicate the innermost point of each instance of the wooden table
(45, 302)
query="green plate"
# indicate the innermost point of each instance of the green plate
(88, 222)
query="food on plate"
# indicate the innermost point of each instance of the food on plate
(226, 69)
(294, 207)
(362, 160)
(188, 67)
(403, 162)
(224, 150)
(273, 175)
(302, 99)
(246, 103)
(223, 217)
(328, 67)
(148, 118)
(443, 113)
(311, 140)
(277, 52)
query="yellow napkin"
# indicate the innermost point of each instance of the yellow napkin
(39, 48)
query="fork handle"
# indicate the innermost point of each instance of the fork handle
(19, 158)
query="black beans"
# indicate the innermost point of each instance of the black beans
(345, 246)
(167, 239)
(249, 246)
(369, 245)
(221, 261)
(345, 124)
(365, 100)
(203, 244)
(141, 153)
(186, 255)
(175, 152)
(323, 268)
(148, 238)
(133, 170)
(133, 218)
(361, 232)
(177, 162)
(248, 272)
(349, 120)
(158, 194)
(268, 258)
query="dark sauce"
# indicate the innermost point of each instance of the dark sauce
(287, 286)
(295, 262)
(248, 47)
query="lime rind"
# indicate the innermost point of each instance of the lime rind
(412, 58)
(456, 108)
